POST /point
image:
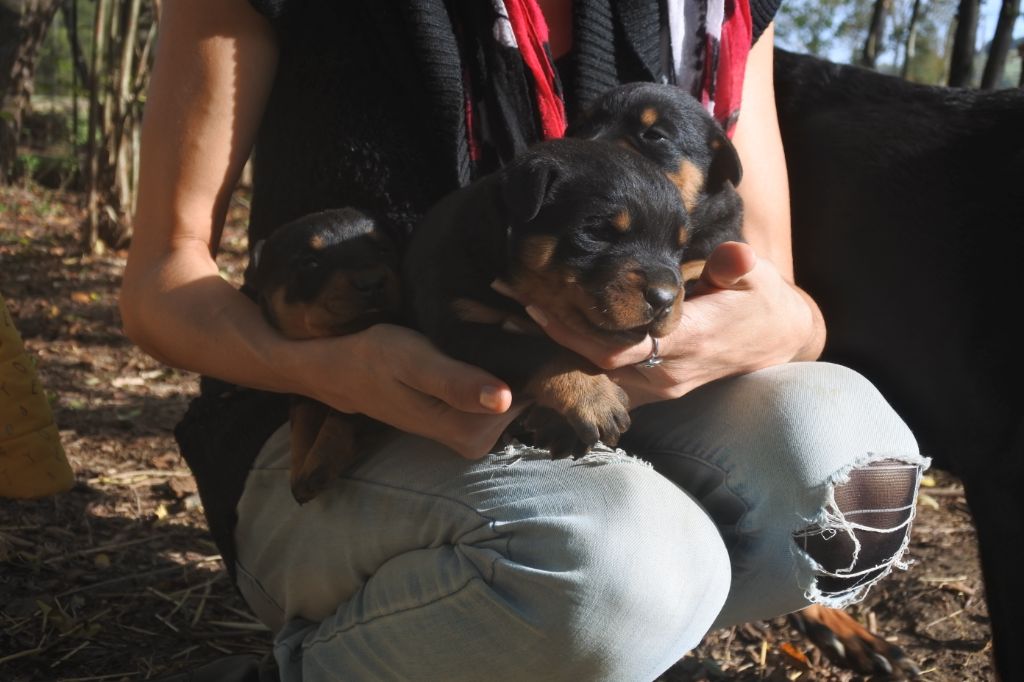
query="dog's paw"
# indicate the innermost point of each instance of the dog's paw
(850, 645)
(576, 412)
(308, 484)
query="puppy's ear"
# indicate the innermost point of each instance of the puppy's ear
(526, 186)
(725, 163)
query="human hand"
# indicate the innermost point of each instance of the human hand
(742, 316)
(395, 375)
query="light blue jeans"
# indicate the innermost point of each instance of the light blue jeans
(420, 565)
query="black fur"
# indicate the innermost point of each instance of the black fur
(682, 131)
(566, 193)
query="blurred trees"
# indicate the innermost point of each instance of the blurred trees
(995, 65)
(928, 41)
(122, 44)
(92, 59)
(23, 25)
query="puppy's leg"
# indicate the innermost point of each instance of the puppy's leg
(575, 403)
(333, 451)
(575, 407)
(306, 417)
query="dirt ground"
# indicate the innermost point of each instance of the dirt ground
(118, 579)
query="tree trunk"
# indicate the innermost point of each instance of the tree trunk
(996, 62)
(1020, 52)
(909, 48)
(80, 70)
(91, 231)
(873, 43)
(961, 67)
(126, 32)
(23, 26)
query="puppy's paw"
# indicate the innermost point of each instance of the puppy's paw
(575, 410)
(307, 484)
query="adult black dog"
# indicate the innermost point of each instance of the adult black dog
(593, 232)
(908, 209)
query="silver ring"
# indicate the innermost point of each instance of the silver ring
(653, 360)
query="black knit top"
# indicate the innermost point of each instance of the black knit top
(367, 110)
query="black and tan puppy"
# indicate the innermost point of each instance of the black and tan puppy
(590, 231)
(326, 274)
(672, 129)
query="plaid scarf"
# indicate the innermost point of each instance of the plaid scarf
(513, 95)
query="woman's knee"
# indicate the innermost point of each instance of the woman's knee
(808, 470)
(817, 418)
(626, 571)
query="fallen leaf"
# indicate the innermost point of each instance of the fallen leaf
(794, 654)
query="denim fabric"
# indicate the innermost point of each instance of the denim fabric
(419, 565)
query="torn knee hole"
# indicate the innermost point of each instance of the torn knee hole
(865, 528)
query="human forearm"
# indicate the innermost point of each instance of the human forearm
(182, 312)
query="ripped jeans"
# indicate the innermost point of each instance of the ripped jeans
(748, 498)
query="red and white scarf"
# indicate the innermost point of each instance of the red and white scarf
(512, 90)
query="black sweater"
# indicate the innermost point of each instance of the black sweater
(367, 110)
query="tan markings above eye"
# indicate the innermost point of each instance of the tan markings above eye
(649, 116)
(684, 235)
(689, 179)
(316, 242)
(622, 221)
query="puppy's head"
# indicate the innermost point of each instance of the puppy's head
(595, 236)
(669, 127)
(327, 274)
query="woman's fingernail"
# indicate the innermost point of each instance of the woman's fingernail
(502, 288)
(491, 398)
(537, 314)
(511, 325)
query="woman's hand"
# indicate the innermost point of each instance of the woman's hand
(395, 375)
(743, 316)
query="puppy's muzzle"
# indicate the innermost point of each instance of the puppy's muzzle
(662, 291)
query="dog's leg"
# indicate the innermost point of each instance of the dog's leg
(576, 404)
(575, 409)
(306, 417)
(994, 497)
(333, 452)
(850, 645)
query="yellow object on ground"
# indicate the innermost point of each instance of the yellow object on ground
(32, 459)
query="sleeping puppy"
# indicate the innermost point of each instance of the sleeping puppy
(593, 233)
(672, 129)
(326, 274)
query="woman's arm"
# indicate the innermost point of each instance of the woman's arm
(214, 68)
(765, 185)
(747, 313)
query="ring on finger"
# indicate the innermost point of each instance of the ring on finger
(652, 360)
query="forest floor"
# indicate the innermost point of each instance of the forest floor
(119, 579)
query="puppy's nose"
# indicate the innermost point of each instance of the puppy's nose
(660, 297)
